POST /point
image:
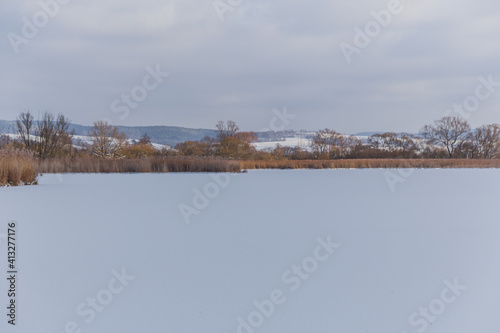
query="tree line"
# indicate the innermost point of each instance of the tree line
(449, 137)
(49, 137)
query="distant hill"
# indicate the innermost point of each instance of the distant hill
(172, 135)
(367, 133)
(165, 135)
(7, 126)
(373, 133)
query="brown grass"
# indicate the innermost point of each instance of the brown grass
(371, 164)
(138, 165)
(22, 168)
(17, 167)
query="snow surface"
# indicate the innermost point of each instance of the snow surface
(397, 249)
(289, 142)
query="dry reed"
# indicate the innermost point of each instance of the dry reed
(371, 164)
(17, 167)
(138, 165)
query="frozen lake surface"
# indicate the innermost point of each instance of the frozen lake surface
(330, 251)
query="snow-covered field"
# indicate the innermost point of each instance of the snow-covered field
(267, 251)
(89, 140)
(289, 142)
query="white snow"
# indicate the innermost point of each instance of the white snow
(89, 140)
(397, 249)
(289, 142)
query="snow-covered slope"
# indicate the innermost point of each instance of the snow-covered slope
(79, 139)
(267, 251)
(289, 142)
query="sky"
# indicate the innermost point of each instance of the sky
(353, 66)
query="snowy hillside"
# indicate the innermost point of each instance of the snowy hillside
(289, 142)
(79, 139)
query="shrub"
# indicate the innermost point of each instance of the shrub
(138, 150)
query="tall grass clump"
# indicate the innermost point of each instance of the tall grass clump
(17, 167)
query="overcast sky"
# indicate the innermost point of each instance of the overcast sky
(262, 55)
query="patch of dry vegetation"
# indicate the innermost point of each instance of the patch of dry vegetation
(371, 164)
(137, 165)
(17, 167)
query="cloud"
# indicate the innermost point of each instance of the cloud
(264, 55)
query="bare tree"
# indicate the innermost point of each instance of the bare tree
(408, 142)
(46, 136)
(225, 130)
(24, 128)
(483, 142)
(52, 134)
(404, 144)
(385, 141)
(107, 140)
(447, 131)
(325, 141)
(331, 144)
